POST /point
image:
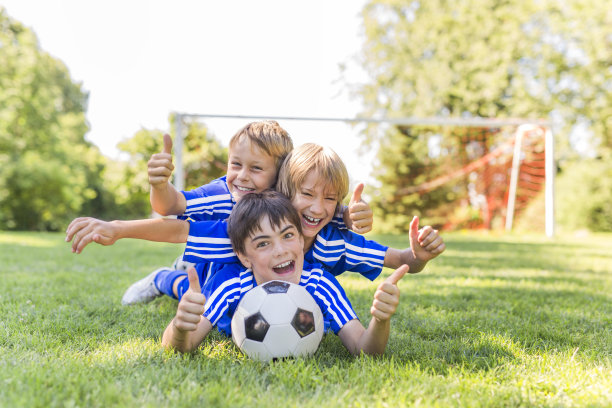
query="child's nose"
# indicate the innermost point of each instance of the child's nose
(243, 174)
(317, 206)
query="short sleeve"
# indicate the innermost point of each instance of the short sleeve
(343, 250)
(208, 241)
(209, 202)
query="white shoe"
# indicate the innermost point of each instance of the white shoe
(180, 265)
(142, 291)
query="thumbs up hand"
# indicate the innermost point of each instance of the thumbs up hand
(425, 243)
(387, 296)
(360, 217)
(160, 165)
(191, 306)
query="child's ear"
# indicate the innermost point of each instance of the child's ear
(243, 260)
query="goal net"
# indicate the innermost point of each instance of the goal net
(479, 175)
(494, 174)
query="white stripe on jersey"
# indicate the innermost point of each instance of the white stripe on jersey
(206, 256)
(336, 296)
(208, 240)
(339, 242)
(219, 298)
(363, 250)
(203, 200)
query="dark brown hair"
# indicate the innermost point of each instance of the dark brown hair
(246, 216)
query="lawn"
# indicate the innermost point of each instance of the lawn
(495, 321)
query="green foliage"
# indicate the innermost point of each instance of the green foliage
(48, 172)
(204, 159)
(503, 321)
(584, 196)
(491, 58)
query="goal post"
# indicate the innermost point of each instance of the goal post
(525, 129)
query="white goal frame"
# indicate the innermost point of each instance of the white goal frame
(523, 125)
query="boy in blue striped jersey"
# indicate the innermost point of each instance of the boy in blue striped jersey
(315, 179)
(265, 231)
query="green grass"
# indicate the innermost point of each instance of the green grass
(495, 321)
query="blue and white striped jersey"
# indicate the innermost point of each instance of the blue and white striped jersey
(212, 201)
(338, 250)
(226, 288)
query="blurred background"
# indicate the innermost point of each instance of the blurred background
(88, 88)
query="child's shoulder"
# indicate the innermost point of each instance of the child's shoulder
(215, 187)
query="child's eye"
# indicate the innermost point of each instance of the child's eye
(307, 194)
(261, 244)
(289, 235)
(257, 168)
(330, 198)
(236, 164)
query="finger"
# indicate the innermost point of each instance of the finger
(160, 162)
(384, 307)
(83, 231)
(397, 274)
(413, 232)
(160, 171)
(189, 314)
(357, 193)
(75, 226)
(379, 315)
(436, 247)
(360, 211)
(83, 243)
(194, 280)
(194, 308)
(167, 144)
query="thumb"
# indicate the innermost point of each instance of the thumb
(357, 193)
(167, 144)
(194, 281)
(397, 274)
(413, 233)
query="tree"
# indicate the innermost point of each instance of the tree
(48, 172)
(490, 58)
(204, 159)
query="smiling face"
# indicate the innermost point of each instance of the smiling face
(249, 169)
(274, 252)
(315, 202)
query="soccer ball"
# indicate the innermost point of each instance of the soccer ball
(277, 319)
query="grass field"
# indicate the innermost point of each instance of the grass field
(495, 321)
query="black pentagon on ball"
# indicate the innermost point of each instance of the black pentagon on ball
(276, 287)
(256, 327)
(303, 322)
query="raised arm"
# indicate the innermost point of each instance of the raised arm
(189, 327)
(165, 199)
(84, 230)
(425, 245)
(373, 340)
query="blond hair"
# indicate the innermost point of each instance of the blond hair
(312, 157)
(267, 135)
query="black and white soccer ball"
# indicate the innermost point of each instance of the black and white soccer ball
(277, 319)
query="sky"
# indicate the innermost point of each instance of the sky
(140, 60)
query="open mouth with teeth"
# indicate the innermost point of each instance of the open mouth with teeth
(284, 268)
(311, 221)
(244, 189)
